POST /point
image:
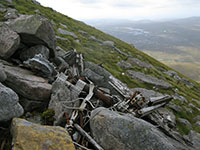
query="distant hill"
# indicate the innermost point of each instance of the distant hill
(172, 42)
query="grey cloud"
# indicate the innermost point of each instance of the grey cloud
(89, 1)
(126, 5)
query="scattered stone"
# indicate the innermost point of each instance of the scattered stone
(37, 11)
(185, 122)
(109, 43)
(10, 41)
(124, 65)
(197, 118)
(171, 73)
(139, 63)
(31, 86)
(41, 66)
(65, 32)
(9, 104)
(148, 79)
(182, 99)
(82, 32)
(63, 25)
(11, 14)
(93, 38)
(175, 107)
(61, 38)
(35, 30)
(114, 131)
(31, 52)
(197, 124)
(188, 109)
(59, 51)
(30, 136)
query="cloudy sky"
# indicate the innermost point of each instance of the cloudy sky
(125, 9)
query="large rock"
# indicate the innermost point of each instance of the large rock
(98, 75)
(28, 85)
(31, 52)
(63, 93)
(9, 41)
(30, 136)
(9, 105)
(120, 132)
(148, 79)
(35, 30)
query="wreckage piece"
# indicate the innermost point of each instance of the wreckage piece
(74, 59)
(41, 66)
(119, 86)
(159, 100)
(88, 137)
(145, 111)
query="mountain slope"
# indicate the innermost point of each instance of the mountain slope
(99, 48)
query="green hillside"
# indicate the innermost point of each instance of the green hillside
(109, 57)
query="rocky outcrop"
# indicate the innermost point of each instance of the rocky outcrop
(9, 104)
(9, 41)
(30, 136)
(35, 30)
(148, 79)
(114, 131)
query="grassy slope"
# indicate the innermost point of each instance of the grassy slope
(100, 54)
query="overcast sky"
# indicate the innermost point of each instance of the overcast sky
(125, 9)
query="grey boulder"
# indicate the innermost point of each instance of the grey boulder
(31, 52)
(148, 79)
(35, 30)
(9, 41)
(31, 86)
(122, 132)
(9, 105)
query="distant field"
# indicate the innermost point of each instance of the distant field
(187, 63)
